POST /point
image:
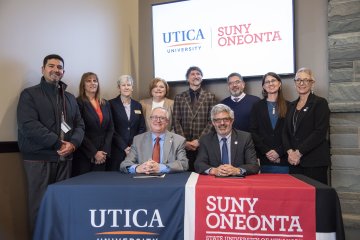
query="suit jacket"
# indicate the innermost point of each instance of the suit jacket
(264, 136)
(126, 129)
(174, 154)
(189, 123)
(147, 108)
(97, 136)
(310, 136)
(242, 152)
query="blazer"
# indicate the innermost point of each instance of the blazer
(242, 152)
(189, 123)
(264, 136)
(98, 136)
(126, 129)
(174, 154)
(147, 108)
(310, 135)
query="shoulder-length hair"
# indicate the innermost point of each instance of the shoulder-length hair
(82, 93)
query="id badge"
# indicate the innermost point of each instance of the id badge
(65, 127)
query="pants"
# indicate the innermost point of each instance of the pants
(39, 175)
(191, 155)
(318, 173)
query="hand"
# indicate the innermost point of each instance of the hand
(225, 170)
(127, 150)
(272, 155)
(192, 145)
(148, 167)
(100, 157)
(294, 157)
(66, 149)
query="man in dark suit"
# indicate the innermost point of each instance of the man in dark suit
(170, 156)
(226, 151)
(191, 116)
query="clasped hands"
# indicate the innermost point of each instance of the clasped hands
(225, 170)
(294, 157)
(273, 156)
(148, 167)
(66, 148)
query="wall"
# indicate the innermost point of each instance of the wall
(344, 101)
(91, 35)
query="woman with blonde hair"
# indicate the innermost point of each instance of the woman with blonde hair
(306, 129)
(158, 90)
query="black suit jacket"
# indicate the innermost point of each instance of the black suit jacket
(242, 152)
(125, 129)
(310, 136)
(97, 136)
(264, 136)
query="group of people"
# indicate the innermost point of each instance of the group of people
(61, 136)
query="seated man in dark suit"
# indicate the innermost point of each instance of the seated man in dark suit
(158, 150)
(226, 152)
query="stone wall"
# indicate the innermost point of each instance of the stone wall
(344, 102)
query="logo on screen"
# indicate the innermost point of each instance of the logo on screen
(183, 41)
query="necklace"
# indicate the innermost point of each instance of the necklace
(273, 105)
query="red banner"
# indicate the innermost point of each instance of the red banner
(265, 207)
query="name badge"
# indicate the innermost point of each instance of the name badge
(137, 111)
(65, 127)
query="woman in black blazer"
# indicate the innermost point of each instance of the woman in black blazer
(129, 121)
(306, 129)
(95, 149)
(266, 126)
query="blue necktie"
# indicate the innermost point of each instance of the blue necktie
(225, 154)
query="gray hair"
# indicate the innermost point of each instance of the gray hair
(307, 71)
(218, 108)
(166, 111)
(233, 75)
(123, 78)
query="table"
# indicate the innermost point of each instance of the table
(115, 206)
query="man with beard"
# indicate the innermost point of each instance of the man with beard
(240, 102)
(50, 128)
(191, 115)
(226, 151)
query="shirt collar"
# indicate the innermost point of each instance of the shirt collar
(242, 95)
(154, 136)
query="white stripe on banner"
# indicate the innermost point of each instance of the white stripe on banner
(325, 236)
(189, 216)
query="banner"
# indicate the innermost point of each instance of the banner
(252, 209)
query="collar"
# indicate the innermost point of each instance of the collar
(154, 136)
(228, 137)
(242, 95)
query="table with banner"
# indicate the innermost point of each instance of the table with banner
(115, 206)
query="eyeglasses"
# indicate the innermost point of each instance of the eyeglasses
(271, 81)
(158, 118)
(237, 82)
(219, 120)
(299, 81)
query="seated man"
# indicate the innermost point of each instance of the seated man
(227, 151)
(158, 150)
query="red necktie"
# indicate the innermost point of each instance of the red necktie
(156, 151)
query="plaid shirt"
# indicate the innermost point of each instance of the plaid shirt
(189, 123)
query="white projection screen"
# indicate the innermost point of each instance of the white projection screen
(251, 37)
